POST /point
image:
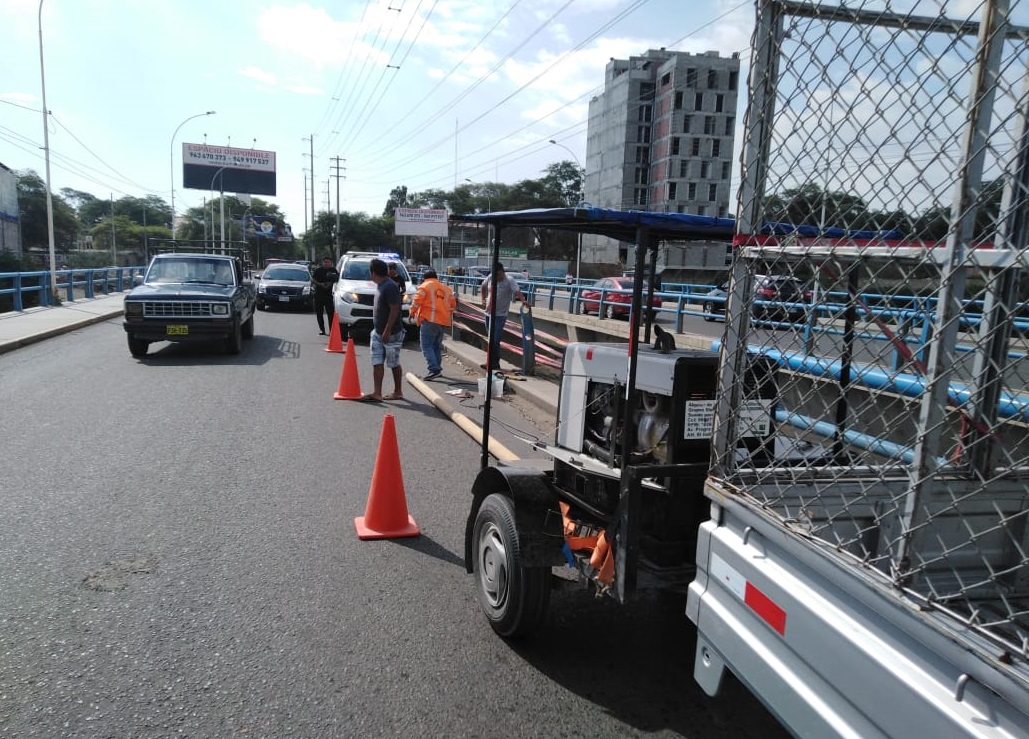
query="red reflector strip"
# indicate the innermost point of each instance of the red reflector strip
(757, 601)
(766, 608)
(589, 353)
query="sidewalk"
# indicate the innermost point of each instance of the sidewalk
(540, 392)
(19, 329)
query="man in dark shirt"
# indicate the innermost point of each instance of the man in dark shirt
(394, 274)
(324, 278)
(387, 334)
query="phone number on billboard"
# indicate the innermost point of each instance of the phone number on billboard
(204, 156)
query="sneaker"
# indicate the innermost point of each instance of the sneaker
(432, 375)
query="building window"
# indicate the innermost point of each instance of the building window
(691, 77)
(645, 113)
(719, 103)
(642, 155)
(678, 100)
(684, 169)
(709, 125)
(712, 193)
(691, 191)
(730, 126)
(640, 196)
(716, 147)
(675, 145)
(723, 211)
(672, 190)
(647, 91)
(698, 101)
(712, 79)
(666, 79)
(726, 170)
(701, 210)
(686, 124)
(641, 176)
(643, 134)
(695, 149)
(705, 170)
(734, 79)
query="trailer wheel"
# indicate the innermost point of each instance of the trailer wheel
(513, 597)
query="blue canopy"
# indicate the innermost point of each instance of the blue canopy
(623, 225)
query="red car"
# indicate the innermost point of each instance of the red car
(616, 295)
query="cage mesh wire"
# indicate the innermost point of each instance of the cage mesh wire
(885, 141)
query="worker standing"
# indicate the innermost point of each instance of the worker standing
(507, 289)
(433, 310)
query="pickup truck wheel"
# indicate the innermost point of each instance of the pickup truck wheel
(513, 597)
(234, 341)
(138, 347)
(248, 328)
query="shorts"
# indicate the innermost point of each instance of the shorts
(388, 354)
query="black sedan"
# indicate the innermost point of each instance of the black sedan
(285, 285)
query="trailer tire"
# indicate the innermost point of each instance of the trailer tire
(513, 597)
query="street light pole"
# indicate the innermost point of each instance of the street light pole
(171, 160)
(46, 152)
(578, 247)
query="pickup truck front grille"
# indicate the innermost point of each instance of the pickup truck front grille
(177, 309)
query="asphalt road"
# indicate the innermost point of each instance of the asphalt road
(179, 558)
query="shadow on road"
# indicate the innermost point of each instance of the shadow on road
(635, 662)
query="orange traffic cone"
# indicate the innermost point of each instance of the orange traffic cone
(349, 382)
(335, 340)
(385, 515)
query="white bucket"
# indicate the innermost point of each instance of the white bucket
(497, 389)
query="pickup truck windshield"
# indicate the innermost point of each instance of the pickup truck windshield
(191, 269)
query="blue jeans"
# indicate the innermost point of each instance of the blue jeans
(494, 339)
(431, 338)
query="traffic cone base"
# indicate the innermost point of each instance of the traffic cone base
(335, 344)
(385, 515)
(349, 381)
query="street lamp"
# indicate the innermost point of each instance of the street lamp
(171, 161)
(46, 152)
(578, 247)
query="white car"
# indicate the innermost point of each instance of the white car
(354, 293)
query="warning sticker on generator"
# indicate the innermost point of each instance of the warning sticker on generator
(753, 419)
(700, 419)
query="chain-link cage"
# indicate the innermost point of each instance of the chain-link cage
(879, 307)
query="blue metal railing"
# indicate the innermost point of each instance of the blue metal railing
(88, 282)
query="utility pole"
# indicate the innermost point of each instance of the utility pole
(337, 175)
(114, 245)
(310, 246)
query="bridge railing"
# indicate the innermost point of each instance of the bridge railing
(71, 284)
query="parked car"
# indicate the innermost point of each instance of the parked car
(285, 285)
(192, 297)
(776, 298)
(354, 294)
(616, 295)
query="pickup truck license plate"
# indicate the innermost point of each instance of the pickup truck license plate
(283, 298)
(177, 330)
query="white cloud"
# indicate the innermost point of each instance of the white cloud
(259, 74)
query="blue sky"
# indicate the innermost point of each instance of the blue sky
(422, 93)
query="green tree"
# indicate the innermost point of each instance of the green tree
(32, 206)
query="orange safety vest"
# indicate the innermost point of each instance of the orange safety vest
(433, 302)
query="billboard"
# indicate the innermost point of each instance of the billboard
(228, 169)
(420, 222)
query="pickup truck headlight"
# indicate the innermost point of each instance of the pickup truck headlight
(405, 298)
(262, 288)
(133, 309)
(349, 297)
(306, 290)
(220, 309)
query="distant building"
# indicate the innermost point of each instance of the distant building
(660, 138)
(10, 213)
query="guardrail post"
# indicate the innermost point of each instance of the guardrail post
(528, 341)
(89, 283)
(18, 305)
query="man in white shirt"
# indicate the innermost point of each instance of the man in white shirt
(507, 290)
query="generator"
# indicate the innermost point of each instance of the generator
(623, 499)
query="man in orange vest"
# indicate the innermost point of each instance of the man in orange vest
(433, 309)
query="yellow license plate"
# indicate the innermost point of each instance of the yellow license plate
(177, 331)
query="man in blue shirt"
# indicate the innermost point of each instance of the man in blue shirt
(387, 334)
